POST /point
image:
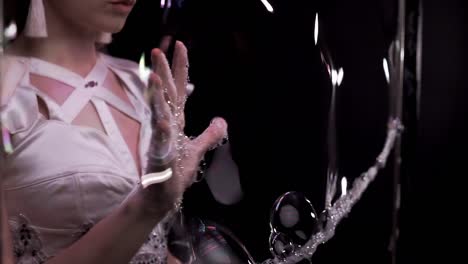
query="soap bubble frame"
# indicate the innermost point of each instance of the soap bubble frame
(394, 68)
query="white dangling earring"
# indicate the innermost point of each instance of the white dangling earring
(104, 38)
(36, 26)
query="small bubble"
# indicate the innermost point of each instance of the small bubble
(293, 220)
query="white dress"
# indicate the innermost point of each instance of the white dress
(62, 178)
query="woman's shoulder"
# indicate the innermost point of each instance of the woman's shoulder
(18, 103)
(12, 70)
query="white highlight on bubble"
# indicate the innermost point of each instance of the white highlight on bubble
(385, 68)
(344, 186)
(334, 77)
(190, 88)
(267, 5)
(143, 70)
(11, 31)
(316, 29)
(163, 3)
(337, 76)
(340, 76)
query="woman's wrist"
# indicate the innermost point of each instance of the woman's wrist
(146, 205)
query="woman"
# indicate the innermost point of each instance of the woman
(81, 130)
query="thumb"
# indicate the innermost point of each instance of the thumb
(212, 135)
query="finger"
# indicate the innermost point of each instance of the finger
(180, 119)
(211, 136)
(180, 71)
(154, 82)
(162, 117)
(162, 69)
(162, 148)
(160, 109)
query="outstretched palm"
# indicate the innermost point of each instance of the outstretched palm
(170, 147)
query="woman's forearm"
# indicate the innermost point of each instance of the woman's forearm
(116, 238)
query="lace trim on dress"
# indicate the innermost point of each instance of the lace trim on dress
(27, 245)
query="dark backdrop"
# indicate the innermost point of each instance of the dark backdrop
(262, 72)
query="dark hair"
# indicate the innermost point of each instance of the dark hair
(16, 10)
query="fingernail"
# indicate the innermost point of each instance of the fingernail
(218, 122)
(156, 51)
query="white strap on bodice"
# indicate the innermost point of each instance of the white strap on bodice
(86, 90)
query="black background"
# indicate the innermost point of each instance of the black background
(262, 72)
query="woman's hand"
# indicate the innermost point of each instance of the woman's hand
(170, 147)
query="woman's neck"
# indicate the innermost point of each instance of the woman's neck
(69, 44)
(77, 55)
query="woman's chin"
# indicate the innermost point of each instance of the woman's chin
(115, 26)
(113, 30)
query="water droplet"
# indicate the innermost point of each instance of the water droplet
(201, 170)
